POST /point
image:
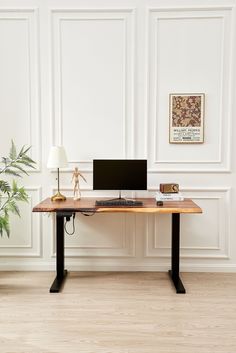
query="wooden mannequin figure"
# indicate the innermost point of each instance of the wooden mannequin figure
(75, 177)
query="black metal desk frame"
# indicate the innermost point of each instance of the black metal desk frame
(61, 273)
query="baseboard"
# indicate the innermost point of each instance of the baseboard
(48, 266)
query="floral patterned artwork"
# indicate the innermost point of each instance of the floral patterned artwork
(186, 111)
(186, 118)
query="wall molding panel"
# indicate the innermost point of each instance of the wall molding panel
(120, 22)
(216, 199)
(27, 242)
(215, 154)
(21, 25)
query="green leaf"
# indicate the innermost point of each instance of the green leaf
(14, 186)
(4, 225)
(27, 159)
(12, 172)
(26, 150)
(13, 154)
(5, 160)
(21, 151)
(21, 195)
(26, 163)
(4, 186)
(17, 166)
(12, 207)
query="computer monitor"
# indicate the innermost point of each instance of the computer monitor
(120, 174)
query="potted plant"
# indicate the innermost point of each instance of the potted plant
(10, 194)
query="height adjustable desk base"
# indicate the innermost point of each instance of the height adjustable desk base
(60, 252)
(67, 208)
(58, 283)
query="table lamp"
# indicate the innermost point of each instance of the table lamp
(57, 159)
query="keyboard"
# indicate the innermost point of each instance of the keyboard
(127, 203)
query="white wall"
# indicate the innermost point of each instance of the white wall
(95, 76)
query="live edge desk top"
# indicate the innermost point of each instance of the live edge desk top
(86, 206)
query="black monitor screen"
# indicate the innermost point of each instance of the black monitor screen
(120, 174)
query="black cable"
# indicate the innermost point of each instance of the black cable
(68, 220)
(89, 213)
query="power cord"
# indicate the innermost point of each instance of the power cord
(88, 214)
(73, 227)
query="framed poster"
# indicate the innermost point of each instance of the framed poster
(186, 118)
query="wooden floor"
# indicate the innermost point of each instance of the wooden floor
(117, 313)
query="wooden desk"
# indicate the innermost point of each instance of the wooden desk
(65, 209)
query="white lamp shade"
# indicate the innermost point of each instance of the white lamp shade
(57, 157)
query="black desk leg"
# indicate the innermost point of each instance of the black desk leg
(175, 248)
(61, 272)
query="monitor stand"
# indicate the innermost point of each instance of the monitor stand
(119, 201)
(118, 198)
